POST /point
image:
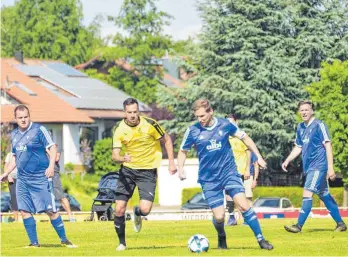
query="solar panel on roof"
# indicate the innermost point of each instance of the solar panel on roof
(65, 69)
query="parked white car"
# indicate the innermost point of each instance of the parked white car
(272, 204)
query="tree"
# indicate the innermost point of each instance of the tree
(141, 45)
(330, 98)
(47, 29)
(249, 64)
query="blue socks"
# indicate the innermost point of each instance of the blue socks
(251, 219)
(331, 205)
(307, 203)
(30, 227)
(220, 228)
(59, 227)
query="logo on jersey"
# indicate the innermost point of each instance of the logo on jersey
(214, 145)
(201, 137)
(305, 140)
(220, 133)
(21, 148)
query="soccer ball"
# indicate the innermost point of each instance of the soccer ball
(198, 243)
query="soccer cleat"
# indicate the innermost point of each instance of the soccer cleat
(137, 221)
(293, 228)
(265, 245)
(222, 242)
(341, 227)
(121, 247)
(32, 245)
(68, 244)
(231, 221)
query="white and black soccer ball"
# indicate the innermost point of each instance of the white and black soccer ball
(198, 243)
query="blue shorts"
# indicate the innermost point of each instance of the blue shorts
(316, 182)
(35, 195)
(213, 192)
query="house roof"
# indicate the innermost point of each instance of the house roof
(76, 88)
(43, 104)
(167, 80)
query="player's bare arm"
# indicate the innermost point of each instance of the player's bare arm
(9, 168)
(118, 158)
(181, 162)
(252, 146)
(329, 155)
(52, 152)
(296, 151)
(168, 144)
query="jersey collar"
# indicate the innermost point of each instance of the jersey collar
(310, 122)
(22, 132)
(213, 126)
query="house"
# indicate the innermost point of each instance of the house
(69, 103)
(173, 76)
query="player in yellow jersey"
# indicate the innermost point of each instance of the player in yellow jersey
(242, 156)
(139, 137)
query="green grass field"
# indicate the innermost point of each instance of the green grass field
(162, 238)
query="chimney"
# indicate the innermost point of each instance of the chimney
(19, 56)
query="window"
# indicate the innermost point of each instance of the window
(286, 203)
(89, 133)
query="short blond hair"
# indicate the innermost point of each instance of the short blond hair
(201, 103)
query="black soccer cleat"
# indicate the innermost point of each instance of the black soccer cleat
(293, 228)
(35, 245)
(341, 227)
(68, 244)
(222, 244)
(264, 244)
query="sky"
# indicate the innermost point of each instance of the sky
(186, 20)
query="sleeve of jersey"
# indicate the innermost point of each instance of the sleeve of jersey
(45, 137)
(156, 130)
(187, 141)
(116, 140)
(323, 133)
(298, 140)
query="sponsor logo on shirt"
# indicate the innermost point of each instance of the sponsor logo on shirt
(214, 145)
(22, 148)
(306, 140)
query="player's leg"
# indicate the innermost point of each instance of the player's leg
(230, 208)
(332, 206)
(146, 182)
(59, 195)
(124, 191)
(213, 194)
(247, 183)
(311, 186)
(26, 207)
(14, 205)
(234, 187)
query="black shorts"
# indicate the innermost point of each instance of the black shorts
(12, 188)
(144, 179)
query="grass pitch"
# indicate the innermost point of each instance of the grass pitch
(163, 238)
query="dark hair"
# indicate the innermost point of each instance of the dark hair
(201, 103)
(129, 101)
(305, 102)
(21, 107)
(232, 115)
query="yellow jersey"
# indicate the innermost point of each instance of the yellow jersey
(239, 150)
(141, 142)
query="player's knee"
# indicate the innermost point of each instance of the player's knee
(120, 211)
(145, 210)
(25, 214)
(52, 215)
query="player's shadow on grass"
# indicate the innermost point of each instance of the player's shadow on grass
(319, 230)
(237, 248)
(51, 246)
(156, 247)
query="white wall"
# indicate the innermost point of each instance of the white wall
(71, 143)
(57, 136)
(170, 186)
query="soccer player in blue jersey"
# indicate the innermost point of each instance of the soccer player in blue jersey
(313, 141)
(217, 168)
(35, 171)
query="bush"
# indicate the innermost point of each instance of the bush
(69, 166)
(102, 157)
(293, 193)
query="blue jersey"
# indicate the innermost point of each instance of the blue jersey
(29, 147)
(311, 139)
(253, 159)
(213, 149)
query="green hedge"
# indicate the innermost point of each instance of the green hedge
(293, 193)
